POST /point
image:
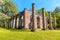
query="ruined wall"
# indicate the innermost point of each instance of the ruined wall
(41, 22)
(27, 16)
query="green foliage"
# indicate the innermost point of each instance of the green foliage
(2, 24)
(40, 12)
(3, 16)
(10, 6)
(57, 13)
(58, 19)
(7, 6)
(57, 10)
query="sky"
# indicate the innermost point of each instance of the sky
(49, 5)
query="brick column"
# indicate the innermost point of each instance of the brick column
(50, 21)
(55, 21)
(25, 19)
(13, 22)
(17, 22)
(34, 19)
(44, 19)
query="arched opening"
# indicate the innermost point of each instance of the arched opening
(38, 22)
(21, 22)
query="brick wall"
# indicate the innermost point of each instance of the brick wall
(27, 16)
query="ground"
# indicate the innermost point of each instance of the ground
(10, 34)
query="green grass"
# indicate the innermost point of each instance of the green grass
(15, 34)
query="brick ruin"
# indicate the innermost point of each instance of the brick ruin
(29, 20)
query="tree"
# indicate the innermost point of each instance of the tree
(58, 20)
(56, 17)
(40, 12)
(57, 10)
(9, 6)
(3, 17)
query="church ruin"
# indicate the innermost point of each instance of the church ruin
(29, 20)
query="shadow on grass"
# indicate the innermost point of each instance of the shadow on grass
(21, 30)
(16, 30)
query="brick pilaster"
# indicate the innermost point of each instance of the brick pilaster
(26, 19)
(15, 21)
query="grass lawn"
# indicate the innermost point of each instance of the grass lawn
(15, 34)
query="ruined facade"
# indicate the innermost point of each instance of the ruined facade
(28, 20)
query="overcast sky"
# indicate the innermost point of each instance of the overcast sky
(49, 5)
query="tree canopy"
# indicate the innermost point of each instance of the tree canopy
(9, 6)
(57, 13)
(3, 16)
